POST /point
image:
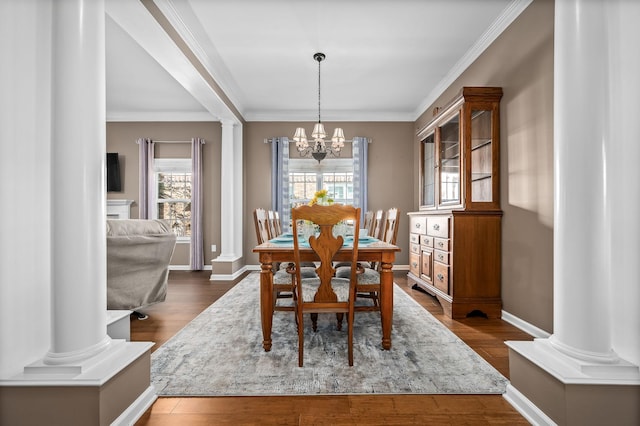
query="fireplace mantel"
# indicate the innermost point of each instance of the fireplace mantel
(119, 209)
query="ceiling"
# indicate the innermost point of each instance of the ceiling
(385, 60)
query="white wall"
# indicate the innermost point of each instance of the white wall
(25, 225)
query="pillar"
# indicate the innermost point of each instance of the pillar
(77, 182)
(227, 265)
(587, 372)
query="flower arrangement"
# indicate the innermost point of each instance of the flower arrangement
(321, 197)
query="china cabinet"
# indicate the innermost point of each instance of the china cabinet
(455, 237)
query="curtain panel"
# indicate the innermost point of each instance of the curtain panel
(360, 148)
(145, 171)
(196, 249)
(280, 180)
(280, 177)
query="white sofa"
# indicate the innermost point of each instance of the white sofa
(138, 256)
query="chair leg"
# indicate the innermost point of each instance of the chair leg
(300, 322)
(339, 318)
(350, 338)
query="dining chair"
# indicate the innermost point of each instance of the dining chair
(373, 230)
(368, 285)
(368, 220)
(282, 279)
(326, 293)
(271, 218)
(276, 223)
(262, 228)
(376, 225)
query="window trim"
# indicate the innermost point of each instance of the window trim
(327, 166)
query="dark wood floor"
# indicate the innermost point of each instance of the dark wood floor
(191, 292)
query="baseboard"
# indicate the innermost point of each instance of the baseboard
(526, 408)
(187, 268)
(131, 415)
(523, 325)
(229, 277)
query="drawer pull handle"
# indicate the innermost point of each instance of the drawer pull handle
(414, 264)
(440, 277)
(441, 257)
(441, 244)
(436, 227)
(418, 225)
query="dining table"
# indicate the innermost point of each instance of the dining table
(280, 250)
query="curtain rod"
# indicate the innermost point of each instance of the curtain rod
(269, 140)
(154, 141)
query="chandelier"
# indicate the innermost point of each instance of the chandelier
(319, 148)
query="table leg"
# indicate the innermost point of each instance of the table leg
(386, 303)
(266, 303)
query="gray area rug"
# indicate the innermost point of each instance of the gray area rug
(220, 353)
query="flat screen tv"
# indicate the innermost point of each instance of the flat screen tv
(114, 183)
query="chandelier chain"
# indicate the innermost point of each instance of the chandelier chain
(319, 149)
(319, 62)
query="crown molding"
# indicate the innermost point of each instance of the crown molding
(132, 116)
(328, 116)
(510, 13)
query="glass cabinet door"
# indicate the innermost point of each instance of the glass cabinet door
(481, 161)
(428, 171)
(449, 175)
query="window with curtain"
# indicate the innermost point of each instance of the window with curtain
(307, 176)
(173, 185)
(295, 180)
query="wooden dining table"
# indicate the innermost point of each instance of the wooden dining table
(377, 251)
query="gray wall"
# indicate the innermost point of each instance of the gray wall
(121, 138)
(521, 62)
(390, 171)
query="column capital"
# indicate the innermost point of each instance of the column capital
(226, 122)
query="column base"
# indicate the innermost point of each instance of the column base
(549, 387)
(117, 388)
(226, 268)
(118, 324)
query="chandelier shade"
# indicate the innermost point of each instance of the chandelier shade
(319, 148)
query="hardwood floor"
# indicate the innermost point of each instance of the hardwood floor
(191, 292)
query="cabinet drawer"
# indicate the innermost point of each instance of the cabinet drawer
(441, 244)
(441, 256)
(414, 248)
(441, 276)
(438, 226)
(427, 262)
(418, 224)
(426, 240)
(414, 238)
(414, 264)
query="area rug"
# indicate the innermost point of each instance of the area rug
(220, 353)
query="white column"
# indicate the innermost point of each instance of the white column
(238, 193)
(230, 188)
(596, 303)
(624, 179)
(77, 182)
(582, 146)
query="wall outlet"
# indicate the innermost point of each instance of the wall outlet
(213, 248)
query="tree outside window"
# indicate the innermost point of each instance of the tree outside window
(173, 196)
(305, 178)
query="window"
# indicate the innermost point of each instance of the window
(306, 177)
(173, 194)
